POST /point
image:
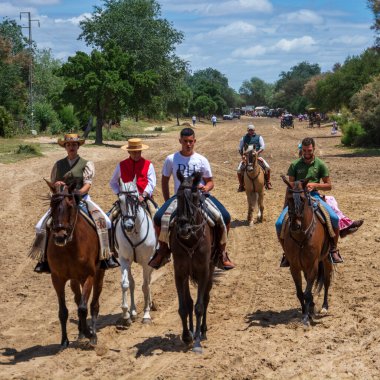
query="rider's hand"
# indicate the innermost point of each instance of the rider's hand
(59, 183)
(311, 186)
(202, 188)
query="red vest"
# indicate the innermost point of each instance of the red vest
(129, 169)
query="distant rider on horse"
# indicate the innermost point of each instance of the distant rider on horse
(251, 138)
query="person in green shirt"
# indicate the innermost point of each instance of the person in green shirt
(311, 167)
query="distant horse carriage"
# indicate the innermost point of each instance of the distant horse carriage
(287, 121)
(314, 117)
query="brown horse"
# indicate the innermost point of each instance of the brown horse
(254, 183)
(191, 243)
(72, 253)
(306, 245)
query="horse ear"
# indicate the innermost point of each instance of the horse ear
(197, 178)
(286, 181)
(180, 175)
(50, 184)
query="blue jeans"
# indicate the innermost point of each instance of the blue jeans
(333, 216)
(160, 212)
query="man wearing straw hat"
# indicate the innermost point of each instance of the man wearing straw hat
(136, 166)
(74, 168)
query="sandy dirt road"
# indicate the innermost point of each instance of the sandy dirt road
(254, 315)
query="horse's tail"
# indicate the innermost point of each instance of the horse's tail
(319, 282)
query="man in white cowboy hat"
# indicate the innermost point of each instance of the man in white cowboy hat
(135, 166)
(251, 138)
(69, 169)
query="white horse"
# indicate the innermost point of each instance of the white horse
(135, 240)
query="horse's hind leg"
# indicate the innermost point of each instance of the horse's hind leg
(59, 286)
(98, 286)
(147, 276)
(327, 281)
(82, 309)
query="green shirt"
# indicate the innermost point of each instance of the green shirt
(316, 170)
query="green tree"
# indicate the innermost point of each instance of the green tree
(374, 5)
(366, 106)
(99, 83)
(204, 106)
(256, 92)
(180, 101)
(6, 123)
(137, 28)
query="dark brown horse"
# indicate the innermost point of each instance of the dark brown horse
(72, 253)
(191, 244)
(306, 245)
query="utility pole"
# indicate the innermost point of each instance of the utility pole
(31, 110)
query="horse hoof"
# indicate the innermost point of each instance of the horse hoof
(197, 350)
(153, 306)
(94, 340)
(123, 323)
(187, 339)
(65, 343)
(146, 321)
(250, 224)
(133, 317)
(323, 311)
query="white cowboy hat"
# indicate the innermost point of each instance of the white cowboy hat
(135, 145)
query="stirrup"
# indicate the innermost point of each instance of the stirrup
(284, 262)
(163, 260)
(42, 267)
(339, 260)
(109, 263)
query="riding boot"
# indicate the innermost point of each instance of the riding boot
(284, 262)
(224, 261)
(161, 256)
(351, 229)
(267, 179)
(334, 254)
(241, 183)
(112, 261)
(42, 267)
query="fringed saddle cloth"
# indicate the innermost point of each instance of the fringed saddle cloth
(211, 212)
(322, 214)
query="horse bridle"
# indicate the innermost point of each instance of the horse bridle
(298, 212)
(132, 200)
(56, 199)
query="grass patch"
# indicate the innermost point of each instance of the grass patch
(367, 152)
(13, 150)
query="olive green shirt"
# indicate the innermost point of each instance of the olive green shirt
(316, 170)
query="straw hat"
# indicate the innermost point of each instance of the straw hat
(71, 137)
(135, 145)
(251, 127)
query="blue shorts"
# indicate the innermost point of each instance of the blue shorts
(333, 216)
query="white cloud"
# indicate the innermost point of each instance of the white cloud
(10, 10)
(73, 20)
(350, 40)
(296, 44)
(238, 28)
(249, 52)
(303, 16)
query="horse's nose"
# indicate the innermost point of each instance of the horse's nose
(60, 238)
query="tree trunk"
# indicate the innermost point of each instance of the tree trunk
(99, 130)
(177, 119)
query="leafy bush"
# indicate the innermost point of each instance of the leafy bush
(7, 128)
(68, 118)
(352, 133)
(44, 115)
(56, 127)
(28, 149)
(158, 129)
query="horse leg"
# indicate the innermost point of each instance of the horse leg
(125, 320)
(251, 203)
(327, 281)
(200, 308)
(98, 286)
(59, 286)
(147, 276)
(260, 206)
(75, 287)
(190, 307)
(180, 282)
(132, 286)
(206, 302)
(82, 308)
(297, 278)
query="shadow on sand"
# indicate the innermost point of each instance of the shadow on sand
(28, 353)
(169, 343)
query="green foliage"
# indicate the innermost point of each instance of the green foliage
(6, 123)
(256, 92)
(28, 149)
(374, 5)
(180, 101)
(352, 132)
(366, 105)
(57, 128)
(204, 106)
(68, 118)
(44, 115)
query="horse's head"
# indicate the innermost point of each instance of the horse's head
(129, 202)
(64, 210)
(251, 157)
(188, 203)
(297, 196)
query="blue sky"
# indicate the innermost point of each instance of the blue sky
(240, 38)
